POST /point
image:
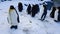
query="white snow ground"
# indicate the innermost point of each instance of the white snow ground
(28, 24)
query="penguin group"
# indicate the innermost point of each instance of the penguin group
(33, 10)
(13, 16)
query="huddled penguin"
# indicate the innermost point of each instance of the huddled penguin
(35, 10)
(20, 7)
(13, 17)
(29, 9)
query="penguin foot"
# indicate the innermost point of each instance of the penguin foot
(55, 20)
(15, 27)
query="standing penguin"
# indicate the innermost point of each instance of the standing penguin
(44, 13)
(20, 7)
(13, 17)
(57, 15)
(53, 12)
(35, 10)
(29, 9)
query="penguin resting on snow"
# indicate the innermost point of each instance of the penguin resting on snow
(13, 17)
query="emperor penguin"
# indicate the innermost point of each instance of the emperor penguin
(56, 15)
(29, 9)
(20, 7)
(35, 9)
(53, 12)
(13, 17)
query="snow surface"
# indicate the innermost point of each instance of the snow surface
(28, 24)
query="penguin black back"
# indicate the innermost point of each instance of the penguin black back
(20, 6)
(35, 9)
(59, 14)
(53, 12)
(29, 9)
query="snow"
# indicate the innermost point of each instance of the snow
(28, 24)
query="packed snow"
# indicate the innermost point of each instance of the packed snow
(28, 24)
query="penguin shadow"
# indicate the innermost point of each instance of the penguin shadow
(26, 31)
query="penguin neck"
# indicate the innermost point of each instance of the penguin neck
(11, 10)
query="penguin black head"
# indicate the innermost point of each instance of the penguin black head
(19, 3)
(12, 7)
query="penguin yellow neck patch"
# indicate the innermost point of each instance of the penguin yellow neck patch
(11, 10)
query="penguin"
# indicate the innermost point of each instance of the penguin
(53, 12)
(13, 17)
(44, 13)
(59, 14)
(35, 10)
(20, 7)
(29, 9)
(56, 15)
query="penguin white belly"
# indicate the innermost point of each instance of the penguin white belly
(41, 10)
(56, 15)
(13, 18)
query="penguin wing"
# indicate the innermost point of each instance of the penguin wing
(18, 19)
(17, 16)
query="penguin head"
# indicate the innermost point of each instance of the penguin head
(11, 8)
(19, 3)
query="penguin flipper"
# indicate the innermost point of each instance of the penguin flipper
(18, 19)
